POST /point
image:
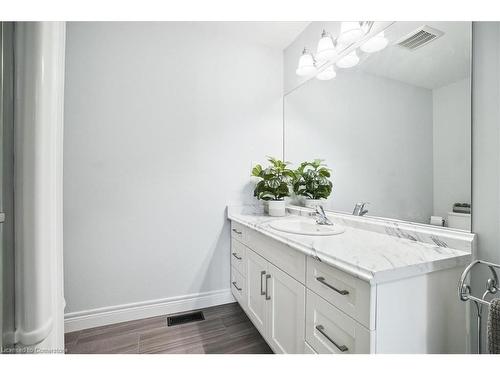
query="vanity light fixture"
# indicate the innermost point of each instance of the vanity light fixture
(349, 60)
(350, 32)
(326, 48)
(332, 49)
(375, 44)
(327, 74)
(307, 64)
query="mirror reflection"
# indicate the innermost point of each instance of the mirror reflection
(394, 128)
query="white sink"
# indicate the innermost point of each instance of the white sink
(306, 227)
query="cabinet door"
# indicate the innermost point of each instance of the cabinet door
(256, 302)
(285, 297)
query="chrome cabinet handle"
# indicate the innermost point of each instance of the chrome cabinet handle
(268, 297)
(237, 257)
(321, 330)
(322, 281)
(261, 290)
(236, 286)
(237, 231)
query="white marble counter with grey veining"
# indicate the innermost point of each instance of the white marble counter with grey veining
(371, 255)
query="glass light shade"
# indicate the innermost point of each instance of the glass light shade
(326, 49)
(306, 65)
(348, 61)
(350, 32)
(328, 73)
(375, 44)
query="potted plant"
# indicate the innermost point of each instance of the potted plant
(274, 185)
(312, 181)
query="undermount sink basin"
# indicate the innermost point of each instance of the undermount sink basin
(306, 227)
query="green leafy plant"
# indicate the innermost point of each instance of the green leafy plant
(275, 180)
(312, 180)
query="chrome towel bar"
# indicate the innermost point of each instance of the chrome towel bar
(492, 287)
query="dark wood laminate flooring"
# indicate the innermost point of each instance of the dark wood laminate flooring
(226, 329)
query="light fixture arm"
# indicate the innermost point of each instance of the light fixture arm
(306, 51)
(326, 34)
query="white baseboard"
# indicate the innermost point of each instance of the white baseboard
(76, 321)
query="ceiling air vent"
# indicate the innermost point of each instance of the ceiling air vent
(420, 37)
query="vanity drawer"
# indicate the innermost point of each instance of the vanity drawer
(238, 232)
(329, 330)
(344, 291)
(238, 287)
(284, 257)
(238, 256)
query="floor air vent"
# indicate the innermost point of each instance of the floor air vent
(420, 37)
(185, 318)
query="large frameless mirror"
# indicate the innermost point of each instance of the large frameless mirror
(394, 126)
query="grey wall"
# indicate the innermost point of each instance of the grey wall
(451, 146)
(162, 124)
(485, 150)
(374, 133)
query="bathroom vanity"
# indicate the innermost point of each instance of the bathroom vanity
(377, 286)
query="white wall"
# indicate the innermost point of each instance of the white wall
(162, 124)
(485, 152)
(451, 146)
(376, 136)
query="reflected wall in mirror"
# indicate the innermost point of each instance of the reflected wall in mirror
(395, 129)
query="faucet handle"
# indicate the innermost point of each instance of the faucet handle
(321, 217)
(363, 210)
(359, 208)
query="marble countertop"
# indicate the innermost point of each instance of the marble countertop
(371, 256)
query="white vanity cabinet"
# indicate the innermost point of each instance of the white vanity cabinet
(302, 305)
(286, 306)
(255, 302)
(328, 330)
(275, 303)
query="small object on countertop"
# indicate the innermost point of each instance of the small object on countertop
(461, 208)
(494, 327)
(458, 220)
(437, 220)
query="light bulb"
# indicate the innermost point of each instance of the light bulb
(307, 64)
(349, 60)
(326, 48)
(350, 32)
(375, 44)
(328, 73)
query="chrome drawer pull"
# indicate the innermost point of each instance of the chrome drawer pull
(321, 330)
(268, 297)
(237, 231)
(262, 273)
(237, 257)
(236, 286)
(322, 281)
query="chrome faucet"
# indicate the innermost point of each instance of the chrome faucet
(321, 218)
(359, 209)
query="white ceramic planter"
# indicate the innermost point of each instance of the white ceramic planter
(276, 208)
(312, 203)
